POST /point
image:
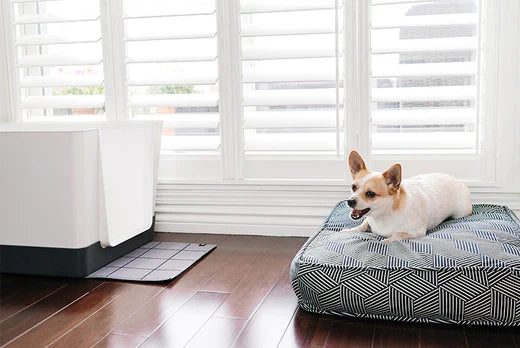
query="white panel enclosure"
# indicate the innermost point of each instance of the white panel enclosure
(69, 185)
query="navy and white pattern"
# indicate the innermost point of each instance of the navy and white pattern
(465, 271)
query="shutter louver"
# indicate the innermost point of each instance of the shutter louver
(424, 76)
(172, 74)
(291, 77)
(59, 59)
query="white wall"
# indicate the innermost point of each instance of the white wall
(269, 208)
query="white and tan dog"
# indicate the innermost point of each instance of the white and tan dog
(403, 209)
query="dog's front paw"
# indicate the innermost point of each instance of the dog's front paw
(398, 236)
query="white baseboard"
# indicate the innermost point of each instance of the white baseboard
(215, 228)
(265, 209)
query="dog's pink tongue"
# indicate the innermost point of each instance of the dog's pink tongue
(356, 212)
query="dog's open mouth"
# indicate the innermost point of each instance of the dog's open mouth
(358, 214)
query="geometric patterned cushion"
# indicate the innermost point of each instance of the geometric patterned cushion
(464, 271)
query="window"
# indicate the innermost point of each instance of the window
(59, 59)
(424, 76)
(264, 89)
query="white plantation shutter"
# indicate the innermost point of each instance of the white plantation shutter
(424, 76)
(291, 77)
(298, 82)
(171, 70)
(58, 59)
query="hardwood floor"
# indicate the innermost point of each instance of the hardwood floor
(239, 295)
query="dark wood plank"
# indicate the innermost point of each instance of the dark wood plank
(130, 297)
(237, 266)
(350, 333)
(177, 237)
(26, 297)
(259, 278)
(217, 333)
(273, 316)
(220, 258)
(32, 315)
(182, 326)
(216, 239)
(482, 336)
(11, 284)
(62, 322)
(388, 335)
(120, 341)
(307, 330)
(515, 335)
(207, 238)
(440, 336)
(148, 318)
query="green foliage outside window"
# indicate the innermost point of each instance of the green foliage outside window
(90, 90)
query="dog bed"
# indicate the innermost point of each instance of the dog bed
(465, 271)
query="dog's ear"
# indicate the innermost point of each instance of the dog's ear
(356, 163)
(393, 178)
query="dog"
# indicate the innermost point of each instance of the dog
(403, 209)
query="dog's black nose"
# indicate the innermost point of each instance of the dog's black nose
(351, 203)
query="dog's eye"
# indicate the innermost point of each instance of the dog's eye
(354, 188)
(370, 194)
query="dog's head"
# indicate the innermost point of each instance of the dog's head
(373, 193)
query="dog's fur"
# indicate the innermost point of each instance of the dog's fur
(403, 209)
